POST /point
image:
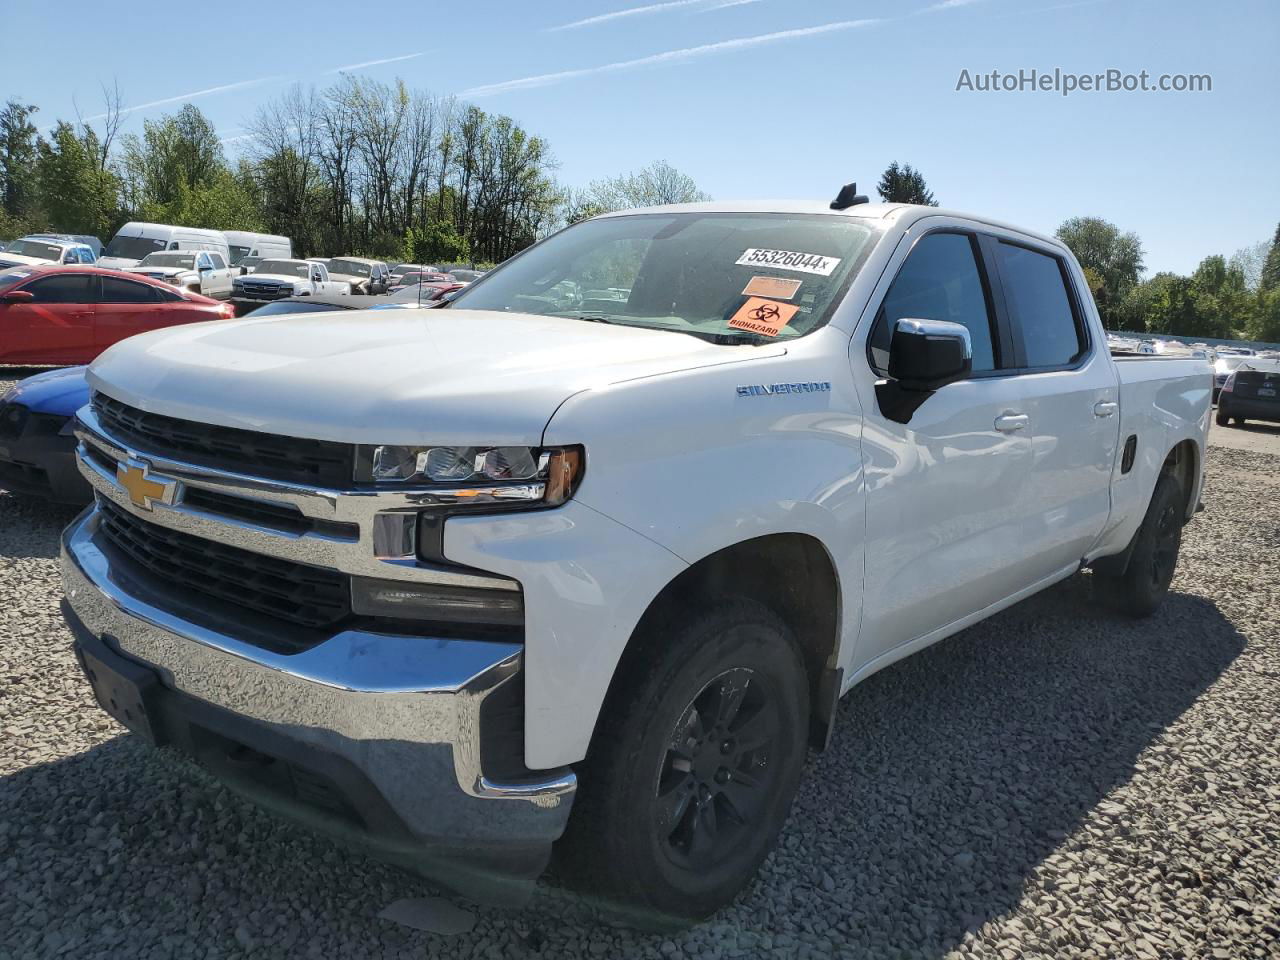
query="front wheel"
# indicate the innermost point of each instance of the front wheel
(1145, 582)
(695, 762)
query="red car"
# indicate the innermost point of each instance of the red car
(59, 315)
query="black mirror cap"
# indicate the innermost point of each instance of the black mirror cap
(929, 354)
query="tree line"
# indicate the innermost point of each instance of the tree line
(358, 168)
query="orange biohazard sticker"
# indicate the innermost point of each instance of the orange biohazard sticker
(762, 316)
(779, 288)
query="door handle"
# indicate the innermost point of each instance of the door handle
(1012, 422)
(1105, 408)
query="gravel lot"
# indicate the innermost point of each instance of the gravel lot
(1053, 782)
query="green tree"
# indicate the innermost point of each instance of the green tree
(904, 184)
(178, 151)
(654, 185)
(436, 242)
(1264, 323)
(19, 143)
(1221, 296)
(1115, 257)
(78, 196)
(1270, 279)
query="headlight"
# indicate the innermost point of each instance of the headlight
(480, 475)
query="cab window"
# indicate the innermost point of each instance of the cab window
(119, 290)
(939, 280)
(1040, 305)
(63, 288)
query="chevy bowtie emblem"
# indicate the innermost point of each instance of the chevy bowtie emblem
(143, 488)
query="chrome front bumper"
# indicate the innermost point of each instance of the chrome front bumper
(403, 710)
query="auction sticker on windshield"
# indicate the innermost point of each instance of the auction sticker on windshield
(762, 316)
(789, 260)
(780, 288)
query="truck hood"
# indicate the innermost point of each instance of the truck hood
(117, 263)
(162, 273)
(58, 392)
(392, 376)
(274, 278)
(17, 260)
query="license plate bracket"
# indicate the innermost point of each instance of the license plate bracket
(125, 689)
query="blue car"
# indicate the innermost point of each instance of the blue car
(37, 447)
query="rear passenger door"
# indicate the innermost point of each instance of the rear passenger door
(1069, 395)
(128, 307)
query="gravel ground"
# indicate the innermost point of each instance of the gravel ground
(1053, 782)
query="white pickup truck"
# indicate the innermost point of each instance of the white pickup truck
(523, 571)
(278, 279)
(202, 271)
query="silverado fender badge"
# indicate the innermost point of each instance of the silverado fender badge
(776, 389)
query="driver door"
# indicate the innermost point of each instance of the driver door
(947, 491)
(55, 325)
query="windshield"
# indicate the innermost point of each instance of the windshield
(763, 276)
(287, 267)
(349, 267)
(35, 248)
(238, 254)
(132, 248)
(185, 260)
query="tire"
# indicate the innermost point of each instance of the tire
(1140, 590)
(1221, 418)
(667, 834)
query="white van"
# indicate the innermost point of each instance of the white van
(134, 241)
(266, 246)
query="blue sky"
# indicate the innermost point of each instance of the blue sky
(755, 98)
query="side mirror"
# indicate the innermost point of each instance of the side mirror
(929, 354)
(17, 296)
(924, 356)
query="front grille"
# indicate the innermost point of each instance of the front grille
(13, 417)
(319, 462)
(294, 592)
(264, 291)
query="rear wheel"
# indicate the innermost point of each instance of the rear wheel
(1145, 582)
(1221, 418)
(693, 767)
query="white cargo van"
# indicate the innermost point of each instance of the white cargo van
(267, 246)
(134, 241)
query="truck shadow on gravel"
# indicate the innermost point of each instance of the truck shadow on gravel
(951, 777)
(31, 527)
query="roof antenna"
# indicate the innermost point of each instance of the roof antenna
(848, 197)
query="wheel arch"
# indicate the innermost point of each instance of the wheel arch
(1183, 461)
(794, 575)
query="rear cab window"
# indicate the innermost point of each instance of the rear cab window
(1045, 314)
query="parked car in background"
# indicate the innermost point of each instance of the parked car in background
(426, 292)
(71, 314)
(361, 274)
(31, 251)
(93, 243)
(419, 276)
(261, 245)
(398, 270)
(134, 241)
(1251, 392)
(464, 274)
(1223, 367)
(37, 447)
(202, 271)
(280, 279)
